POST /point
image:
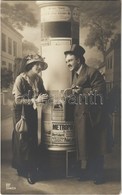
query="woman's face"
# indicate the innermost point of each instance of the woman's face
(36, 68)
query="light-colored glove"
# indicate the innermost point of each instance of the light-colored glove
(42, 98)
(34, 103)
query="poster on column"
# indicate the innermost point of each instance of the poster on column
(61, 97)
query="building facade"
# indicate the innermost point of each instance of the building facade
(113, 64)
(113, 82)
(11, 45)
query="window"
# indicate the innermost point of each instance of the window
(110, 85)
(15, 48)
(3, 63)
(9, 45)
(3, 42)
(107, 63)
(10, 66)
(111, 62)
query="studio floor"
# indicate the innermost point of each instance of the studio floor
(11, 183)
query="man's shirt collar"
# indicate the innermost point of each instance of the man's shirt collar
(79, 70)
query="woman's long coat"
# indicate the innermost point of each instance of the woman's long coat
(89, 115)
(25, 150)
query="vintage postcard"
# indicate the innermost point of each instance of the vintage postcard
(60, 97)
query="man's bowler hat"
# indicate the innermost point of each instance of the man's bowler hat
(76, 50)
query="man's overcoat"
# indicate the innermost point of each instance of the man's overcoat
(89, 115)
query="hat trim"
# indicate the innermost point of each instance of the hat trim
(44, 67)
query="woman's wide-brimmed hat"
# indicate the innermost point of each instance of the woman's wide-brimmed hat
(36, 58)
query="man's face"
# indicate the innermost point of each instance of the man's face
(72, 62)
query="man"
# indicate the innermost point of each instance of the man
(89, 91)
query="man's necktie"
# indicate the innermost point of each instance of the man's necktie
(75, 78)
(77, 75)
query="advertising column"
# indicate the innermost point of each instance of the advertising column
(59, 29)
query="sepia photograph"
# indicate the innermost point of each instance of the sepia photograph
(61, 97)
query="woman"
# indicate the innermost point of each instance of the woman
(28, 90)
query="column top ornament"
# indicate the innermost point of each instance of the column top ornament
(51, 3)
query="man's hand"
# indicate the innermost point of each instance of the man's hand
(76, 89)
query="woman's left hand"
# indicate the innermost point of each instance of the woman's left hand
(42, 98)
